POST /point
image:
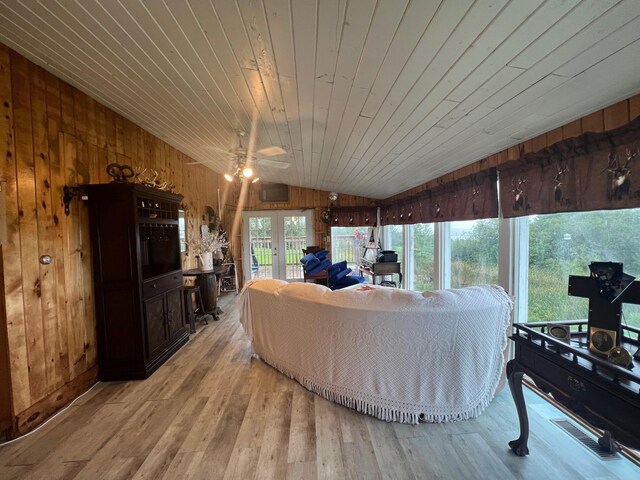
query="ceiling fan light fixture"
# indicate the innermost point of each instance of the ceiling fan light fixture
(243, 159)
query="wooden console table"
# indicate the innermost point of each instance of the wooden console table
(605, 395)
(380, 269)
(208, 289)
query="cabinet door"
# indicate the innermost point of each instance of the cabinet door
(156, 326)
(175, 312)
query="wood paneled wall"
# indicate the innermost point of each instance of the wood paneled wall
(54, 135)
(608, 118)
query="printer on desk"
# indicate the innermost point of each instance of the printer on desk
(387, 256)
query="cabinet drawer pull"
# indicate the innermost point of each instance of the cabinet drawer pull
(154, 285)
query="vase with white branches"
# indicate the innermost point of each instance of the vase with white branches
(204, 248)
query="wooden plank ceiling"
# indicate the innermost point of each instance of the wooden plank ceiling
(367, 97)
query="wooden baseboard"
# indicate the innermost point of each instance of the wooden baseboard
(33, 416)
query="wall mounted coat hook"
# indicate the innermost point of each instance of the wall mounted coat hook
(69, 193)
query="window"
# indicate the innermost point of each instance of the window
(295, 240)
(394, 239)
(565, 244)
(346, 244)
(260, 239)
(551, 247)
(419, 271)
(474, 252)
(182, 230)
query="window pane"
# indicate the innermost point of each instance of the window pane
(474, 252)
(420, 270)
(261, 247)
(346, 244)
(393, 239)
(295, 239)
(565, 244)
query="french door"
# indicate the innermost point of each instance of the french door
(273, 243)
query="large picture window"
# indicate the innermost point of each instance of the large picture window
(565, 244)
(474, 252)
(394, 239)
(420, 269)
(346, 244)
(559, 245)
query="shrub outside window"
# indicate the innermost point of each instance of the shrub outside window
(474, 252)
(565, 244)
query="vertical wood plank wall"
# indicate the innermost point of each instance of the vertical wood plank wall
(613, 116)
(53, 135)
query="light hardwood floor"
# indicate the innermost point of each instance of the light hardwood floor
(213, 411)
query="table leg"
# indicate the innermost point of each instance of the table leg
(218, 310)
(519, 446)
(207, 284)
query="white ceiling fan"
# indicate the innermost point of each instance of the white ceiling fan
(245, 160)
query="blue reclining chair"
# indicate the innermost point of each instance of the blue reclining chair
(313, 265)
(338, 276)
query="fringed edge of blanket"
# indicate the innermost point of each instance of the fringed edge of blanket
(383, 413)
(395, 415)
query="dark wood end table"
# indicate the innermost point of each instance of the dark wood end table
(605, 395)
(206, 280)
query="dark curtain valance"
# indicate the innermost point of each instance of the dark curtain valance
(589, 172)
(353, 216)
(470, 198)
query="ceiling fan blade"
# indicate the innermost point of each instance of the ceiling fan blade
(218, 150)
(271, 151)
(203, 162)
(273, 163)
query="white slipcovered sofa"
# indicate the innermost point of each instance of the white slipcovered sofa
(394, 354)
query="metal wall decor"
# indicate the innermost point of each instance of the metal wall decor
(120, 173)
(68, 194)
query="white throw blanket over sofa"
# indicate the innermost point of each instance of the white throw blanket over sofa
(394, 354)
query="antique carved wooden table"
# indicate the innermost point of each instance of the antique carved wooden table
(605, 395)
